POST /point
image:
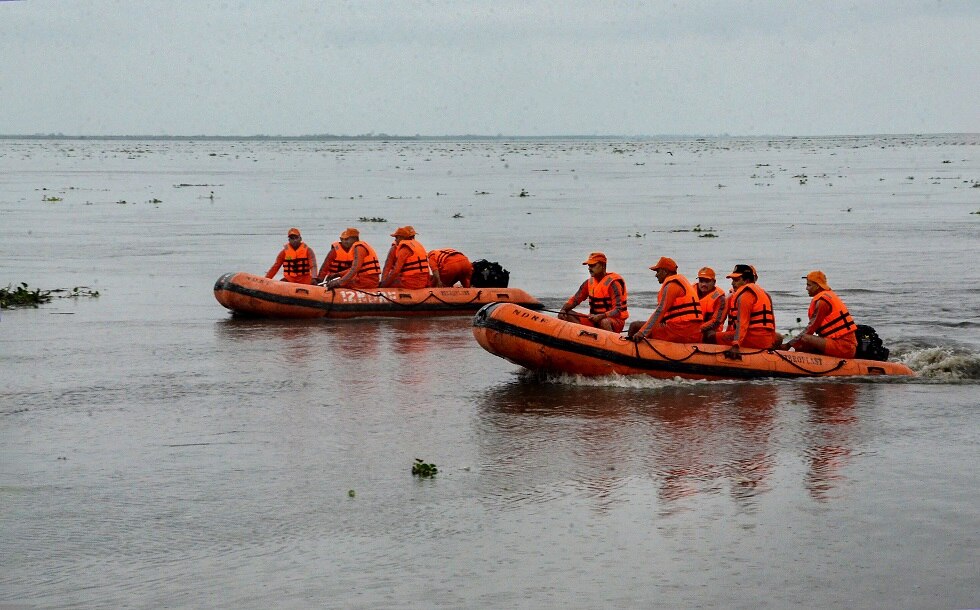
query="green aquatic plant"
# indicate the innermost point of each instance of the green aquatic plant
(22, 296)
(372, 219)
(51, 198)
(708, 232)
(74, 293)
(424, 470)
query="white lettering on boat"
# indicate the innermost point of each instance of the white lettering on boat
(804, 359)
(356, 296)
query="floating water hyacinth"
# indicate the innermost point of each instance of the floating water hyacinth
(424, 470)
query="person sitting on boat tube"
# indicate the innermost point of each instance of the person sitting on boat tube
(296, 259)
(607, 298)
(755, 321)
(678, 314)
(831, 329)
(351, 263)
(407, 265)
(449, 266)
(714, 305)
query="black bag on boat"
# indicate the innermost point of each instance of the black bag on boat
(489, 275)
(869, 345)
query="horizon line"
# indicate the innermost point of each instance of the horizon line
(418, 137)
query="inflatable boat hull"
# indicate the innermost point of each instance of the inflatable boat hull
(539, 342)
(254, 295)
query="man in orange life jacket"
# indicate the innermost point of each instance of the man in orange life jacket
(714, 305)
(755, 321)
(296, 259)
(351, 263)
(678, 314)
(449, 266)
(407, 265)
(831, 329)
(607, 298)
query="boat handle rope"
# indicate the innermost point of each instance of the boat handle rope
(431, 295)
(661, 354)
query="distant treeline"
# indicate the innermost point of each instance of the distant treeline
(379, 137)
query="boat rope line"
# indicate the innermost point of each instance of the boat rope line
(663, 355)
(840, 364)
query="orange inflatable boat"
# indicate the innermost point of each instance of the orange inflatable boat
(543, 343)
(255, 295)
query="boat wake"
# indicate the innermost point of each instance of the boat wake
(942, 363)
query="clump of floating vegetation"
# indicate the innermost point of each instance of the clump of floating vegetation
(51, 198)
(708, 232)
(372, 219)
(458, 215)
(23, 296)
(424, 470)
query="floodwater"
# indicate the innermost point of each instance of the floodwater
(157, 452)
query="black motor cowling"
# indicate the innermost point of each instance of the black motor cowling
(489, 275)
(870, 346)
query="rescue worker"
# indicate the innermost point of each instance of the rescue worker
(406, 265)
(831, 329)
(449, 266)
(351, 263)
(755, 321)
(607, 298)
(678, 314)
(714, 305)
(729, 299)
(296, 259)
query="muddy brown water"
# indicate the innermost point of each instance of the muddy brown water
(157, 452)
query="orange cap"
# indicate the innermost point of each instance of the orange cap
(293, 231)
(818, 278)
(707, 273)
(407, 232)
(665, 263)
(595, 257)
(350, 232)
(741, 270)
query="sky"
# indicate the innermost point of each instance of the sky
(496, 67)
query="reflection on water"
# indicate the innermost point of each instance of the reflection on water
(688, 440)
(831, 420)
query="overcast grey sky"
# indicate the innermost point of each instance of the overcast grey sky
(513, 67)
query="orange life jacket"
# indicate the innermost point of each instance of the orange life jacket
(438, 258)
(600, 295)
(762, 315)
(296, 263)
(341, 260)
(732, 312)
(417, 263)
(838, 322)
(370, 268)
(711, 302)
(685, 308)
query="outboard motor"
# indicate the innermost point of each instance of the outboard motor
(870, 346)
(489, 275)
